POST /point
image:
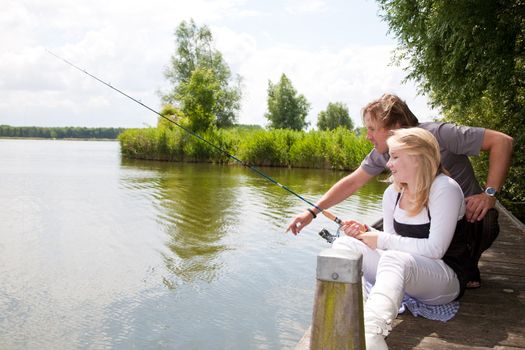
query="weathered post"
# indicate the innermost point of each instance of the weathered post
(337, 322)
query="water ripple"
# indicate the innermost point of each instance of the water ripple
(100, 253)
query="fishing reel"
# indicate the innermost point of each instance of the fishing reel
(330, 238)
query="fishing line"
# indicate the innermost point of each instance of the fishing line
(249, 166)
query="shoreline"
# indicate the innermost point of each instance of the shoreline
(55, 139)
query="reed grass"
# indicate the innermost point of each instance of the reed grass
(339, 149)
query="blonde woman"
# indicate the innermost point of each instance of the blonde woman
(422, 250)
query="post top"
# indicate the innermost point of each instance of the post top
(339, 265)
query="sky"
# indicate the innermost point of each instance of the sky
(331, 50)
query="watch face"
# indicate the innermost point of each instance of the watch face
(491, 191)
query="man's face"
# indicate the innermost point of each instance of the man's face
(376, 134)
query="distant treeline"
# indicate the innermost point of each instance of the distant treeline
(68, 132)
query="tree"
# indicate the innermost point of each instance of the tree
(469, 57)
(170, 112)
(198, 68)
(458, 50)
(336, 115)
(286, 109)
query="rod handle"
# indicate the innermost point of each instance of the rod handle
(332, 217)
(362, 228)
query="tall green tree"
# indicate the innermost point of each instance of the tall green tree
(286, 108)
(336, 115)
(202, 82)
(469, 57)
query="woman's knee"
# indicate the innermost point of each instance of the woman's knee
(344, 242)
(352, 244)
(396, 259)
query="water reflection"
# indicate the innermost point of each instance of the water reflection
(202, 207)
(281, 205)
(197, 207)
(365, 205)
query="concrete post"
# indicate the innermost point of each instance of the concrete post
(337, 322)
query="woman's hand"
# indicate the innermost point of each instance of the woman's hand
(369, 238)
(361, 232)
(352, 228)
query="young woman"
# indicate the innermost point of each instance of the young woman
(422, 250)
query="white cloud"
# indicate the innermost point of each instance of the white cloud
(354, 75)
(129, 44)
(294, 7)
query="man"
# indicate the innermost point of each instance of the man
(457, 143)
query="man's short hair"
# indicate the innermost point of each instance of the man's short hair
(390, 110)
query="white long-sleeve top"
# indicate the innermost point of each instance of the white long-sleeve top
(446, 205)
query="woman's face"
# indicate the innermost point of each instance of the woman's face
(403, 166)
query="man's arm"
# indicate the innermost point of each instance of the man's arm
(499, 146)
(341, 190)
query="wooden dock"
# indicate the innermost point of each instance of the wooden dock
(491, 317)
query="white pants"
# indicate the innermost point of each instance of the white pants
(394, 273)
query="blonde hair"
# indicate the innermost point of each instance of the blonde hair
(424, 148)
(389, 110)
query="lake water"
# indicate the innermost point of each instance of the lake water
(99, 252)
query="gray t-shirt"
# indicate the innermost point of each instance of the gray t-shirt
(456, 144)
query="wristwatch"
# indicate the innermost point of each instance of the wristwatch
(490, 191)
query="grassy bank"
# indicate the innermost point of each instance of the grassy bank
(338, 149)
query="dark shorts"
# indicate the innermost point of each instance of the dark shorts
(480, 236)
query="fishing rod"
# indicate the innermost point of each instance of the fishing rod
(326, 213)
